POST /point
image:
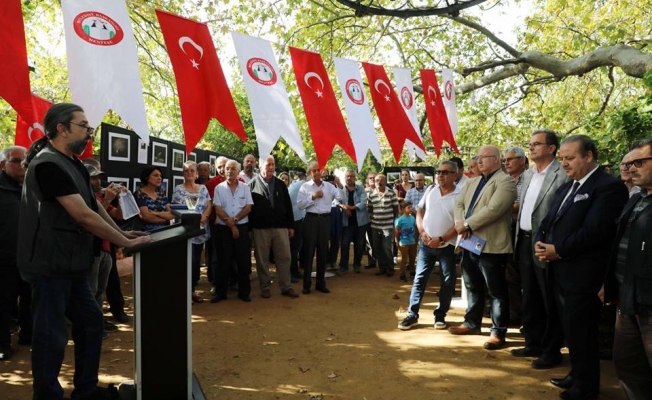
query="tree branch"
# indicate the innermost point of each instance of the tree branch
(453, 9)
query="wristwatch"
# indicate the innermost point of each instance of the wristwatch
(235, 219)
(466, 225)
(441, 239)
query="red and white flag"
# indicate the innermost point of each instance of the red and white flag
(405, 88)
(31, 129)
(203, 91)
(361, 123)
(14, 79)
(327, 127)
(437, 119)
(268, 98)
(103, 62)
(395, 123)
(449, 98)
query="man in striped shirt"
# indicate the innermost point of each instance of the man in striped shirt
(382, 204)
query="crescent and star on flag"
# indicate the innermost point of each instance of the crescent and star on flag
(433, 96)
(185, 39)
(306, 79)
(380, 82)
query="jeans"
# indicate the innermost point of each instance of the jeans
(447, 276)
(478, 271)
(53, 300)
(633, 355)
(382, 245)
(355, 235)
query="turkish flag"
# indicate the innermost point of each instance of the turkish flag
(31, 129)
(203, 92)
(437, 119)
(327, 126)
(395, 122)
(14, 79)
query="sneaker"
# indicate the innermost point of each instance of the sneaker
(440, 323)
(408, 323)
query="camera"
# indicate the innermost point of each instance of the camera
(329, 178)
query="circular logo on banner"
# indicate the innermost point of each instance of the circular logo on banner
(97, 28)
(406, 98)
(354, 91)
(448, 90)
(261, 71)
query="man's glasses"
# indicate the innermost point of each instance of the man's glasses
(89, 130)
(443, 172)
(637, 163)
(535, 144)
(16, 160)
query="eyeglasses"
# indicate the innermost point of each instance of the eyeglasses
(637, 163)
(89, 130)
(508, 159)
(16, 160)
(443, 172)
(535, 144)
(482, 158)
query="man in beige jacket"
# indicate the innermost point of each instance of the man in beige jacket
(484, 209)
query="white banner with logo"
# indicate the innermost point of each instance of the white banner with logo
(357, 109)
(448, 94)
(405, 90)
(268, 98)
(103, 63)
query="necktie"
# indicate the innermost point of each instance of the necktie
(569, 200)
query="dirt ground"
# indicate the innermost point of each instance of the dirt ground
(342, 345)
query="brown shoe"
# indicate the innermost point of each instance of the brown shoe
(495, 342)
(464, 330)
(290, 293)
(265, 294)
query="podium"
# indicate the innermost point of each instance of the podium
(162, 314)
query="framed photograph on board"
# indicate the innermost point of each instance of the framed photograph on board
(177, 159)
(159, 154)
(192, 157)
(119, 147)
(164, 188)
(136, 185)
(176, 181)
(120, 181)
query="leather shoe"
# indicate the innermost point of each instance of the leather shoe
(217, 298)
(495, 342)
(526, 352)
(322, 289)
(464, 330)
(305, 291)
(121, 317)
(577, 394)
(265, 294)
(564, 383)
(290, 293)
(546, 362)
(246, 299)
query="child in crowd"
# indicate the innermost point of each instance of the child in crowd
(405, 228)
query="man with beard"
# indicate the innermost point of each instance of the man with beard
(59, 216)
(248, 165)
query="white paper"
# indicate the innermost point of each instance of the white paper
(128, 205)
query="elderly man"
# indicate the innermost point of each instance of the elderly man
(272, 222)
(59, 211)
(461, 179)
(575, 240)
(540, 318)
(232, 207)
(12, 287)
(436, 224)
(203, 172)
(383, 208)
(355, 222)
(248, 165)
(473, 167)
(628, 279)
(484, 209)
(626, 175)
(316, 197)
(415, 194)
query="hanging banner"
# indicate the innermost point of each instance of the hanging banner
(435, 111)
(405, 89)
(449, 98)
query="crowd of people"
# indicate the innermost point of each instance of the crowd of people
(542, 246)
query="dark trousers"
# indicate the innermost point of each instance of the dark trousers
(371, 256)
(382, 245)
(113, 290)
(53, 300)
(541, 326)
(208, 258)
(13, 288)
(296, 248)
(195, 264)
(315, 239)
(633, 355)
(355, 235)
(580, 317)
(228, 250)
(486, 270)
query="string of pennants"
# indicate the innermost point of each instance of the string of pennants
(104, 74)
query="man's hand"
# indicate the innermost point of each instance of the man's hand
(230, 222)
(291, 233)
(318, 195)
(134, 234)
(111, 192)
(545, 252)
(235, 232)
(139, 240)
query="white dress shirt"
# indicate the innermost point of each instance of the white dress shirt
(529, 198)
(321, 205)
(232, 202)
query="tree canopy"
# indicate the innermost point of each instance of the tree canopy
(576, 67)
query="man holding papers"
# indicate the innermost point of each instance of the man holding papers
(483, 209)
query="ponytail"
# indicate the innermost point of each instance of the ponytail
(33, 150)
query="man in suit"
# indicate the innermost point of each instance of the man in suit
(629, 279)
(541, 326)
(575, 239)
(484, 209)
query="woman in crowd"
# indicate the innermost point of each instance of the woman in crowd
(195, 195)
(154, 206)
(285, 177)
(403, 186)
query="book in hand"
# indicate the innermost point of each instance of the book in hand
(473, 243)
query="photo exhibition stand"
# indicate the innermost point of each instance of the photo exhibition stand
(162, 315)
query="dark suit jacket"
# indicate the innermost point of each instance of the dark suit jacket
(583, 234)
(265, 216)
